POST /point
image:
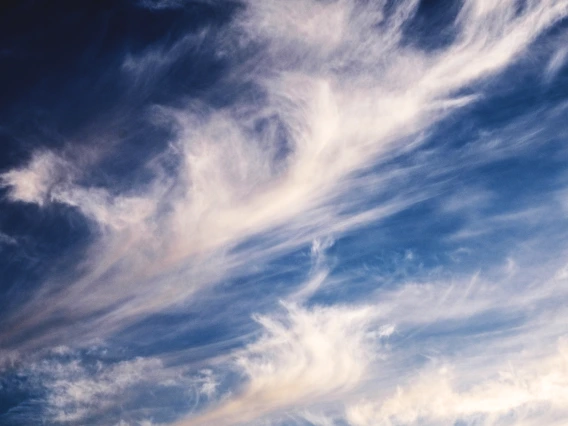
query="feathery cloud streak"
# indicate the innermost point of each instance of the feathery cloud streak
(323, 123)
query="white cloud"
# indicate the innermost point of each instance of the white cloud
(33, 182)
(107, 211)
(346, 95)
(50, 178)
(73, 392)
(343, 91)
(317, 25)
(78, 386)
(529, 394)
(310, 355)
(318, 274)
(325, 359)
(556, 63)
(207, 383)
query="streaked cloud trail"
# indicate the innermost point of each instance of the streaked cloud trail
(256, 258)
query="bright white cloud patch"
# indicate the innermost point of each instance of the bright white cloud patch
(531, 393)
(309, 356)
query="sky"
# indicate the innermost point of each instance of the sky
(284, 212)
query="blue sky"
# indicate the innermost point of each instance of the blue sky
(300, 212)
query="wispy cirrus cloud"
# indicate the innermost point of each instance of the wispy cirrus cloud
(424, 335)
(319, 124)
(290, 364)
(33, 183)
(319, 129)
(525, 394)
(72, 386)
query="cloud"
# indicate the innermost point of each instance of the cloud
(529, 394)
(556, 63)
(319, 273)
(162, 4)
(322, 132)
(7, 240)
(339, 95)
(318, 26)
(449, 356)
(73, 393)
(290, 365)
(87, 386)
(51, 178)
(33, 183)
